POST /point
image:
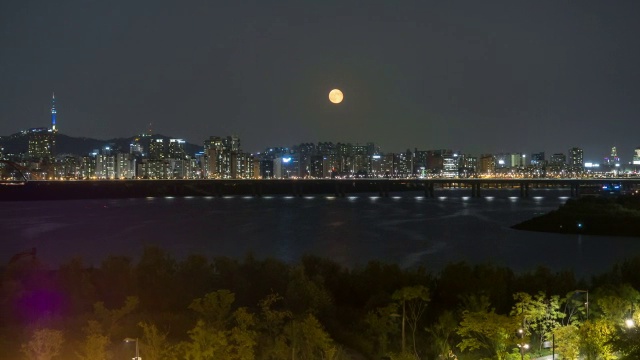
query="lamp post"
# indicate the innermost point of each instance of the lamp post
(136, 340)
(586, 304)
(522, 345)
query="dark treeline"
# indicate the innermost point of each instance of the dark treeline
(223, 308)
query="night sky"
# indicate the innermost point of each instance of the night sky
(475, 76)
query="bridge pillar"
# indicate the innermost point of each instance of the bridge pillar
(257, 189)
(429, 189)
(383, 189)
(297, 189)
(339, 189)
(478, 185)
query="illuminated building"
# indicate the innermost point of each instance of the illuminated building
(487, 164)
(156, 149)
(360, 164)
(105, 167)
(154, 169)
(467, 165)
(420, 162)
(266, 168)
(87, 167)
(450, 165)
(41, 143)
(518, 161)
(221, 156)
(125, 165)
(68, 168)
(386, 164)
(289, 166)
(636, 156)
(403, 164)
(538, 160)
(135, 148)
(576, 160)
(613, 159)
(176, 149)
(316, 169)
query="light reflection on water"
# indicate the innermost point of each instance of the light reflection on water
(406, 228)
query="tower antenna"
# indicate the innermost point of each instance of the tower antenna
(53, 112)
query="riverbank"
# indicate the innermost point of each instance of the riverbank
(590, 215)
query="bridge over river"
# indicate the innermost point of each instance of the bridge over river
(83, 189)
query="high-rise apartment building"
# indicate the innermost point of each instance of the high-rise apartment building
(156, 149)
(487, 164)
(176, 149)
(576, 159)
(41, 143)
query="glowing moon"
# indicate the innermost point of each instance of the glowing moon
(335, 96)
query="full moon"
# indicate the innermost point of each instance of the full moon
(335, 96)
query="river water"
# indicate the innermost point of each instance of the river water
(405, 228)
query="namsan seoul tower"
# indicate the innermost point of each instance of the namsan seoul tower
(53, 113)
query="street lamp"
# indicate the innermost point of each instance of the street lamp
(522, 345)
(137, 353)
(586, 304)
(630, 323)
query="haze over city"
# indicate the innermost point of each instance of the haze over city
(475, 76)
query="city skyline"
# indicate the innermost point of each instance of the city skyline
(612, 155)
(483, 77)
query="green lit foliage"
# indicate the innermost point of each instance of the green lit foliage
(154, 344)
(45, 344)
(218, 334)
(485, 330)
(627, 342)
(538, 314)
(305, 295)
(214, 308)
(575, 308)
(413, 300)
(616, 303)
(111, 320)
(567, 342)
(272, 340)
(94, 346)
(308, 340)
(441, 333)
(381, 324)
(596, 336)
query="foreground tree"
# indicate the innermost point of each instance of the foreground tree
(94, 346)
(484, 330)
(381, 324)
(272, 341)
(539, 315)
(627, 343)
(154, 344)
(45, 344)
(567, 342)
(413, 300)
(218, 334)
(596, 336)
(441, 333)
(309, 340)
